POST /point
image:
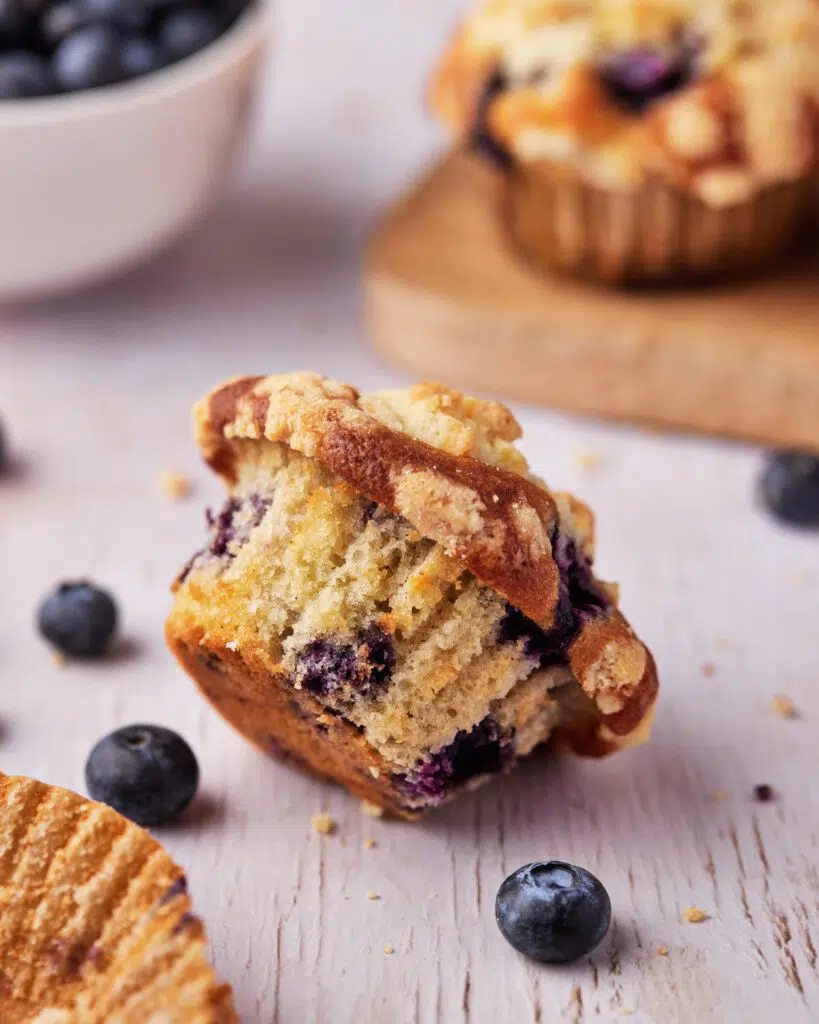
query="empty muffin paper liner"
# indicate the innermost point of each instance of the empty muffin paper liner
(96, 925)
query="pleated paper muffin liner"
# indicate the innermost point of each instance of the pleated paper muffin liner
(655, 234)
(96, 925)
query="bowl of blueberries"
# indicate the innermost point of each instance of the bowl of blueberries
(119, 123)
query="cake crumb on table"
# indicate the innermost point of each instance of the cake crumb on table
(323, 824)
(176, 486)
(389, 950)
(371, 810)
(719, 795)
(783, 706)
(373, 895)
(662, 951)
(588, 461)
(694, 915)
(370, 844)
(709, 669)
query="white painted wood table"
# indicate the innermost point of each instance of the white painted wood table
(95, 391)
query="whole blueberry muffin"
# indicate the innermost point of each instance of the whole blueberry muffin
(96, 924)
(643, 140)
(390, 599)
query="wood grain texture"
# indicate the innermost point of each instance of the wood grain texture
(95, 393)
(448, 295)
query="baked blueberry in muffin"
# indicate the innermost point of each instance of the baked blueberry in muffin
(643, 140)
(390, 599)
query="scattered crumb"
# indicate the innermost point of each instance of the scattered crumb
(373, 895)
(389, 950)
(722, 643)
(375, 772)
(802, 577)
(694, 915)
(719, 795)
(58, 659)
(232, 645)
(783, 706)
(764, 793)
(176, 486)
(662, 951)
(344, 896)
(323, 824)
(709, 669)
(588, 462)
(371, 810)
(370, 844)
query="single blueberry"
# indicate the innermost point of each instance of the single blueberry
(79, 619)
(139, 56)
(636, 79)
(23, 76)
(553, 912)
(59, 20)
(184, 32)
(482, 139)
(128, 15)
(14, 23)
(145, 772)
(789, 488)
(88, 58)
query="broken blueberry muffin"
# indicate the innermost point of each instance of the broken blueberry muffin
(642, 140)
(390, 599)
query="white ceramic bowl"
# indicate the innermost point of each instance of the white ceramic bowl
(93, 183)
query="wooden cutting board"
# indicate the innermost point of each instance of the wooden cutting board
(448, 297)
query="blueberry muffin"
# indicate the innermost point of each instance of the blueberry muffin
(643, 140)
(390, 599)
(96, 925)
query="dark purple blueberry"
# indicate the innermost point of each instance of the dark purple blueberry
(326, 666)
(59, 20)
(186, 31)
(553, 912)
(140, 56)
(482, 139)
(789, 488)
(23, 76)
(481, 751)
(145, 772)
(79, 619)
(88, 58)
(636, 79)
(14, 25)
(579, 598)
(127, 15)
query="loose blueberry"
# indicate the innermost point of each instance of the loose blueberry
(145, 772)
(128, 15)
(22, 76)
(553, 912)
(789, 488)
(186, 31)
(60, 20)
(88, 58)
(79, 619)
(14, 23)
(139, 56)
